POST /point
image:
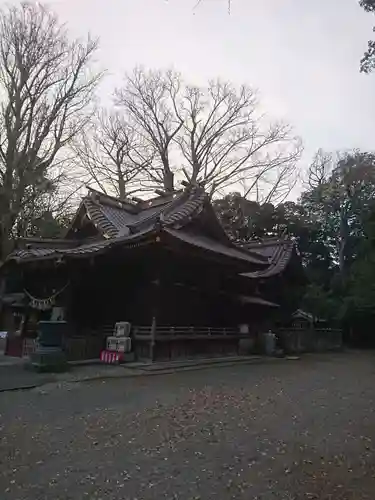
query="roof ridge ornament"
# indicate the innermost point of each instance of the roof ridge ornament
(101, 197)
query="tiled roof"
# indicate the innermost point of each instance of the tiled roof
(126, 240)
(278, 251)
(126, 222)
(34, 242)
(115, 218)
(184, 207)
(92, 248)
(256, 300)
(32, 253)
(300, 314)
(119, 221)
(97, 215)
(217, 247)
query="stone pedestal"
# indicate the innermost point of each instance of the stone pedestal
(49, 359)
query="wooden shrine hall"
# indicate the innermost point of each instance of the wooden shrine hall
(166, 266)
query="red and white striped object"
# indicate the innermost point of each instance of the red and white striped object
(111, 357)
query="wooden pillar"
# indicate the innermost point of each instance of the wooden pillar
(155, 296)
(155, 309)
(2, 293)
(153, 339)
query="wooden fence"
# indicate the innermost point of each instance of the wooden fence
(88, 344)
(298, 340)
(168, 342)
(77, 348)
(164, 333)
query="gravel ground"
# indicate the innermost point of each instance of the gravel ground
(290, 430)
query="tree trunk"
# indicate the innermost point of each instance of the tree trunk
(2, 293)
(343, 241)
(121, 187)
(168, 181)
(153, 339)
(6, 246)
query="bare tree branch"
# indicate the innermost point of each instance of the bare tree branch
(113, 155)
(320, 169)
(225, 142)
(46, 87)
(210, 135)
(229, 5)
(146, 98)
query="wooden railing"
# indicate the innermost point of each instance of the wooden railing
(165, 333)
(187, 341)
(80, 348)
(179, 342)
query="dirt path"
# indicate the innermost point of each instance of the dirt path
(291, 430)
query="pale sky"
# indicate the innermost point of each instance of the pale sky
(302, 55)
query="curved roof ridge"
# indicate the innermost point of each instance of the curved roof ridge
(100, 221)
(220, 223)
(178, 210)
(278, 261)
(135, 202)
(111, 200)
(191, 199)
(271, 240)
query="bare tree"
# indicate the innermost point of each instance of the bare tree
(46, 209)
(46, 89)
(149, 100)
(320, 169)
(225, 141)
(229, 4)
(113, 155)
(272, 183)
(215, 133)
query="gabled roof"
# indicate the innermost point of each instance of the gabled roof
(114, 217)
(279, 251)
(85, 249)
(256, 300)
(96, 247)
(208, 244)
(185, 217)
(300, 314)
